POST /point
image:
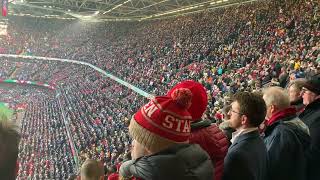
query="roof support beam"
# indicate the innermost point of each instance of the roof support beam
(151, 5)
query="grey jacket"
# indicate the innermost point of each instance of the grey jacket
(183, 161)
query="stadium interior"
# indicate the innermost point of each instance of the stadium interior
(75, 73)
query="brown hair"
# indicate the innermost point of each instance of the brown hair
(225, 111)
(91, 170)
(9, 148)
(253, 106)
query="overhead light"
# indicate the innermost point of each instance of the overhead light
(96, 13)
(115, 7)
(69, 10)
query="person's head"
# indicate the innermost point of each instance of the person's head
(276, 99)
(311, 90)
(9, 145)
(113, 169)
(72, 177)
(225, 112)
(162, 122)
(247, 110)
(127, 156)
(199, 97)
(295, 89)
(91, 170)
(137, 150)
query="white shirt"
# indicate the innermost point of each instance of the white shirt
(240, 132)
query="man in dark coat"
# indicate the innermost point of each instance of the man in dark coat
(247, 155)
(311, 117)
(283, 77)
(286, 137)
(295, 95)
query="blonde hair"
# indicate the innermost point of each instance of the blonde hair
(297, 84)
(276, 96)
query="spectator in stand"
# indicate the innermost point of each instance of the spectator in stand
(295, 95)
(9, 144)
(311, 117)
(283, 77)
(44, 151)
(247, 155)
(165, 141)
(136, 151)
(203, 132)
(113, 173)
(229, 49)
(286, 137)
(224, 126)
(91, 170)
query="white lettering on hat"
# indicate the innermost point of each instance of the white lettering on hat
(168, 121)
(187, 127)
(179, 125)
(151, 109)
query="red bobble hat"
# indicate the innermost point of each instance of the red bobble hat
(163, 121)
(199, 99)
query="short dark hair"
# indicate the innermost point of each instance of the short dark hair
(113, 169)
(9, 148)
(253, 106)
(225, 111)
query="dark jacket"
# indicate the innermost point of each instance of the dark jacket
(311, 117)
(246, 158)
(227, 130)
(298, 105)
(183, 161)
(213, 141)
(286, 140)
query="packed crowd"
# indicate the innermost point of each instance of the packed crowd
(14, 94)
(44, 141)
(45, 152)
(34, 70)
(239, 48)
(6, 69)
(226, 44)
(98, 109)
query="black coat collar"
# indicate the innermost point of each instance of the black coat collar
(200, 124)
(246, 136)
(271, 127)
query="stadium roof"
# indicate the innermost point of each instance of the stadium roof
(116, 9)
